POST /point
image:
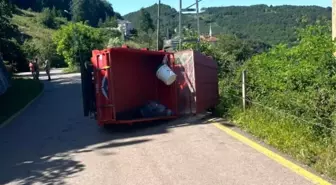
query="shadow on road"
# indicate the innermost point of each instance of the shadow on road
(40, 145)
(53, 72)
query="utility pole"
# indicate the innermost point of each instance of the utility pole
(198, 25)
(158, 27)
(243, 89)
(180, 26)
(334, 21)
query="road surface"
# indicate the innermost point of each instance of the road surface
(52, 143)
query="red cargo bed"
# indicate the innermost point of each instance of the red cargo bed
(125, 79)
(198, 82)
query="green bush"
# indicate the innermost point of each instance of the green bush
(290, 136)
(291, 98)
(110, 22)
(43, 49)
(30, 48)
(107, 33)
(299, 80)
(133, 44)
(47, 18)
(114, 42)
(77, 40)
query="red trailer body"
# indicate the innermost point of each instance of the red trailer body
(125, 79)
(198, 82)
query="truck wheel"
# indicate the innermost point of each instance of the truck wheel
(212, 110)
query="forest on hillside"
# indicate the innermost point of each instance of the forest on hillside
(81, 10)
(27, 27)
(269, 24)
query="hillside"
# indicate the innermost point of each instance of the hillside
(270, 24)
(30, 27)
(81, 10)
(35, 38)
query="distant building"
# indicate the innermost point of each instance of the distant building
(125, 27)
(170, 44)
(209, 38)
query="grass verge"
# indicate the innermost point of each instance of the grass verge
(17, 96)
(291, 137)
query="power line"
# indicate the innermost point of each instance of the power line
(193, 4)
(184, 8)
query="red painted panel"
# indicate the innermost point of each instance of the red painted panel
(198, 81)
(103, 101)
(132, 82)
(206, 78)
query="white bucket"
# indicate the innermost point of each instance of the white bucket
(165, 74)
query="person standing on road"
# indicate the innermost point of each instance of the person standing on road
(32, 69)
(47, 68)
(36, 69)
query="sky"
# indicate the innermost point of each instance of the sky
(124, 7)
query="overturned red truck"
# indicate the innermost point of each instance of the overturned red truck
(125, 85)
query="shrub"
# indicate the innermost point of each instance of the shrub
(47, 18)
(77, 40)
(300, 80)
(114, 42)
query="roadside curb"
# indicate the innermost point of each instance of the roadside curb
(278, 158)
(10, 119)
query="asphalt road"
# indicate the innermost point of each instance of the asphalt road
(52, 143)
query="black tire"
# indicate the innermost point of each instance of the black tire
(85, 85)
(212, 110)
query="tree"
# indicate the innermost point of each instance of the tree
(54, 12)
(148, 40)
(77, 40)
(91, 11)
(146, 31)
(298, 79)
(9, 46)
(134, 32)
(43, 49)
(110, 22)
(276, 25)
(6, 28)
(146, 22)
(47, 17)
(100, 22)
(38, 5)
(30, 48)
(78, 10)
(106, 34)
(114, 42)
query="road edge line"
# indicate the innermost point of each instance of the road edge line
(10, 119)
(272, 155)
